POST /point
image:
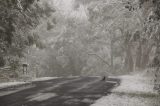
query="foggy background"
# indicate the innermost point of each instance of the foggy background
(78, 37)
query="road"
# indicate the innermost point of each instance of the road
(76, 91)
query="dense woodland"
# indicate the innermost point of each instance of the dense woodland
(79, 37)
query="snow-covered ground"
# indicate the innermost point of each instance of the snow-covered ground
(134, 90)
(8, 84)
(137, 84)
(44, 78)
(126, 100)
(15, 83)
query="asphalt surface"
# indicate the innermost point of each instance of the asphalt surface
(78, 91)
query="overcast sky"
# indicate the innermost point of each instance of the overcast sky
(72, 9)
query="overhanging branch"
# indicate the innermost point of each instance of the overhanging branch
(100, 58)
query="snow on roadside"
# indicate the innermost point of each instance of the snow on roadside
(125, 100)
(8, 84)
(134, 90)
(16, 83)
(44, 78)
(136, 84)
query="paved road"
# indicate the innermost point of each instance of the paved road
(78, 91)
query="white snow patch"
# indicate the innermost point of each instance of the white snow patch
(9, 84)
(111, 82)
(74, 101)
(41, 96)
(73, 76)
(87, 100)
(4, 93)
(15, 83)
(44, 78)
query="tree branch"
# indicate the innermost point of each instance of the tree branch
(100, 58)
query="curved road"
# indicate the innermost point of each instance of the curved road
(77, 91)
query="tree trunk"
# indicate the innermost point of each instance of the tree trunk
(111, 53)
(145, 57)
(157, 71)
(129, 59)
(138, 56)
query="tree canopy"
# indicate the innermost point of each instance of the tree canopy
(80, 37)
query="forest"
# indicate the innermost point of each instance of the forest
(79, 37)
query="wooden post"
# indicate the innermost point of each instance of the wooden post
(25, 68)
